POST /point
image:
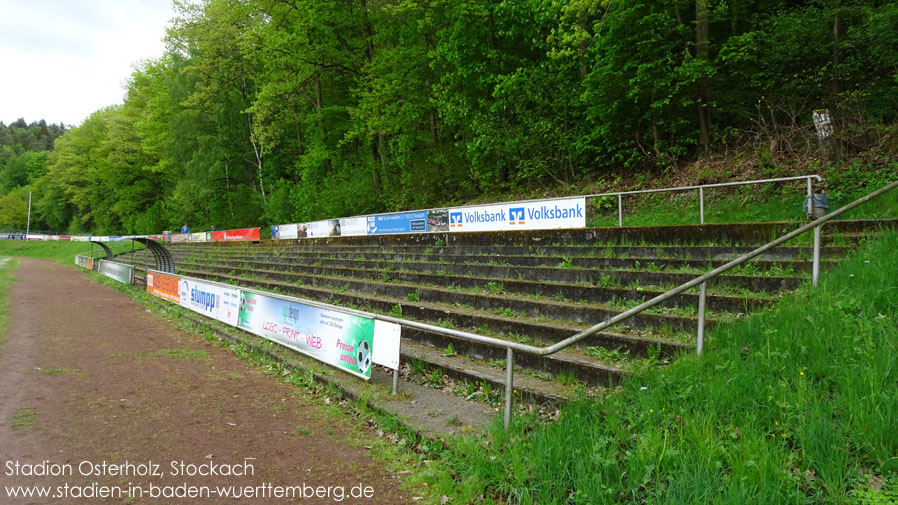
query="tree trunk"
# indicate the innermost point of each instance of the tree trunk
(258, 148)
(702, 53)
(319, 105)
(381, 148)
(837, 58)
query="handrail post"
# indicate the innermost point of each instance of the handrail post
(395, 381)
(816, 267)
(700, 341)
(620, 210)
(811, 199)
(509, 385)
(701, 205)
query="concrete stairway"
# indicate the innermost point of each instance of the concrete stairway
(532, 287)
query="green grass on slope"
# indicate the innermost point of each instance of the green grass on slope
(63, 252)
(796, 404)
(750, 204)
(7, 265)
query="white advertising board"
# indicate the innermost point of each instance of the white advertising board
(567, 213)
(353, 226)
(212, 300)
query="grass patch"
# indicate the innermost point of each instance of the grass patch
(24, 418)
(63, 252)
(178, 353)
(7, 265)
(795, 404)
(749, 204)
(59, 371)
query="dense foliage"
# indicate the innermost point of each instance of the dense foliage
(273, 111)
(23, 159)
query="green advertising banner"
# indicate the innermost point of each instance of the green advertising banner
(338, 339)
(118, 271)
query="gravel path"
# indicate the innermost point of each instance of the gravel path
(88, 376)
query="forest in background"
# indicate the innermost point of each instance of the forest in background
(275, 111)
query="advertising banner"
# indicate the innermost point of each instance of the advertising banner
(284, 231)
(179, 238)
(82, 261)
(164, 286)
(567, 213)
(318, 229)
(118, 271)
(197, 237)
(211, 300)
(66, 238)
(400, 222)
(387, 336)
(341, 340)
(15, 237)
(99, 238)
(232, 235)
(353, 226)
(80, 238)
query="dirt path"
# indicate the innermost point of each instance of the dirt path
(89, 376)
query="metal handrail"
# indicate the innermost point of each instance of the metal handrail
(619, 194)
(558, 346)
(700, 280)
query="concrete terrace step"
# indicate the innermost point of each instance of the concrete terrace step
(534, 289)
(556, 310)
(459, 317)
(422, 345)
(553, 274)
(460, 368)
(579, 292)
(620, 262)
(651, 251)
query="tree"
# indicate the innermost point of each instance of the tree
(13, 212)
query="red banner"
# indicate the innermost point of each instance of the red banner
(231, 235)
(65, 237)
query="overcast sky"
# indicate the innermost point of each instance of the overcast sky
(61, 60)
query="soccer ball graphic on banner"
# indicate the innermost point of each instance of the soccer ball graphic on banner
(363, 356)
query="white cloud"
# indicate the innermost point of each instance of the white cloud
(61, 60)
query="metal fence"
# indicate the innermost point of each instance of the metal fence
(700, 281)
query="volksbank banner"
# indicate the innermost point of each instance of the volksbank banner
(212, 300)
(117, 271)
(342, 340)
(567, 213)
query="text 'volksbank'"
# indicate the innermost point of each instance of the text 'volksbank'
(519, 214)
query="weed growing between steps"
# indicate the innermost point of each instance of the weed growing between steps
(796, 404)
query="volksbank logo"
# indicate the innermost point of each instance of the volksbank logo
(455, 219)
(516, 215)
